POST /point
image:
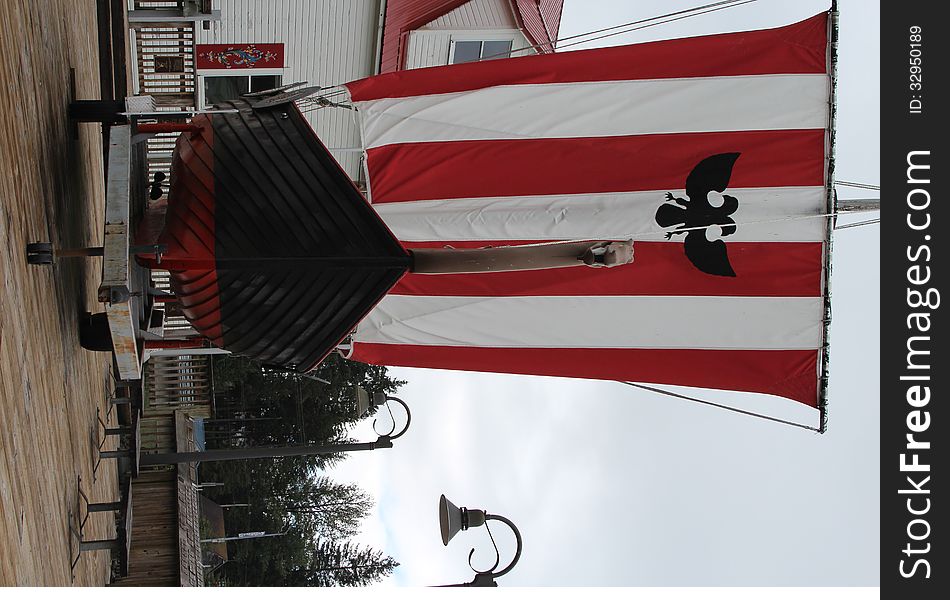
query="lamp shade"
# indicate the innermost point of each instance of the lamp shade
(450, 519)
(362, 401)
(453, 519)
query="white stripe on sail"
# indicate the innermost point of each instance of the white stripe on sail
(613, 108)
(597, 322)
(764, 215)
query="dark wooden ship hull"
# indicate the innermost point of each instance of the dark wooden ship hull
(273, 252)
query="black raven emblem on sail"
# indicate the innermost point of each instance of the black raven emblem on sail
(694, 216)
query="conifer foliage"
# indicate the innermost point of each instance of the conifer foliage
(258, 406)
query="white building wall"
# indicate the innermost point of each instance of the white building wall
(427, 49)
(431, 45)
(326, 42)
(477, 14)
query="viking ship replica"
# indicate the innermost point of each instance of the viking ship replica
(492, 184)
(274, 253)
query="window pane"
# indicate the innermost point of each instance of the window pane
(219, 89)
(496, 49)
(259, 83)
(467, 52)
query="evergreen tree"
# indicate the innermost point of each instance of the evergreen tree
(334, 510)
(343, 564)
(268, 407)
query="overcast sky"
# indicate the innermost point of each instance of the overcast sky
(612, 486)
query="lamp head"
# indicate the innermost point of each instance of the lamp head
(361, 398)
(380, 398)
(453, 519)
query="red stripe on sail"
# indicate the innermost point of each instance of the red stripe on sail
(787, 373)
(494, 168)
(772, 269)
(796, 48)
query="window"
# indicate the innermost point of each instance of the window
(475, 50)
(219, 88)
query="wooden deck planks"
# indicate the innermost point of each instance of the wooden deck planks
(51, 186)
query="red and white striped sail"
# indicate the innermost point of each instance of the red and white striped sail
(586, 145)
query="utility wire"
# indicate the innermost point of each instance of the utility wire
(722, 406)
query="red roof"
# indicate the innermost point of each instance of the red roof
(538, 19)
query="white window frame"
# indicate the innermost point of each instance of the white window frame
(203, 73)
(517, 39)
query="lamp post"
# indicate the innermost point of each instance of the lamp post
(453, 519)
(383, 441)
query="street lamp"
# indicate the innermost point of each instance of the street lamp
(364, 403)
(381, 399)
(453, 519)
(385, 440)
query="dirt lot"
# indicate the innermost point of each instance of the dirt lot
(51, 188)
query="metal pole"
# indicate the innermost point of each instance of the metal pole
(171, 458)
(857, 204)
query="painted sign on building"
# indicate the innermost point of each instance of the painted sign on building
(240, 56)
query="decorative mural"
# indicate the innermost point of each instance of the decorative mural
(240, 56)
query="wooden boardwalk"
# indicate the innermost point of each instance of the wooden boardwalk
(51, 187)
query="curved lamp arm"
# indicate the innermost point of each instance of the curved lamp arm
(391, 416)
(491, 570)
(514, 561)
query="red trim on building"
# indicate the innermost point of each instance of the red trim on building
(540, 21)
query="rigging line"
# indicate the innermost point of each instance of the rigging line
(644, 23)
(858, 224)
(846, 200)
(722, 4)
(659, 23)
(854, 184)
(672, 14)
(722, 406)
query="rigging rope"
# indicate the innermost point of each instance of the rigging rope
(722, 406)
(858, 224)
(693, 14)
(644, 23)
(634, 26)
(863, 186)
